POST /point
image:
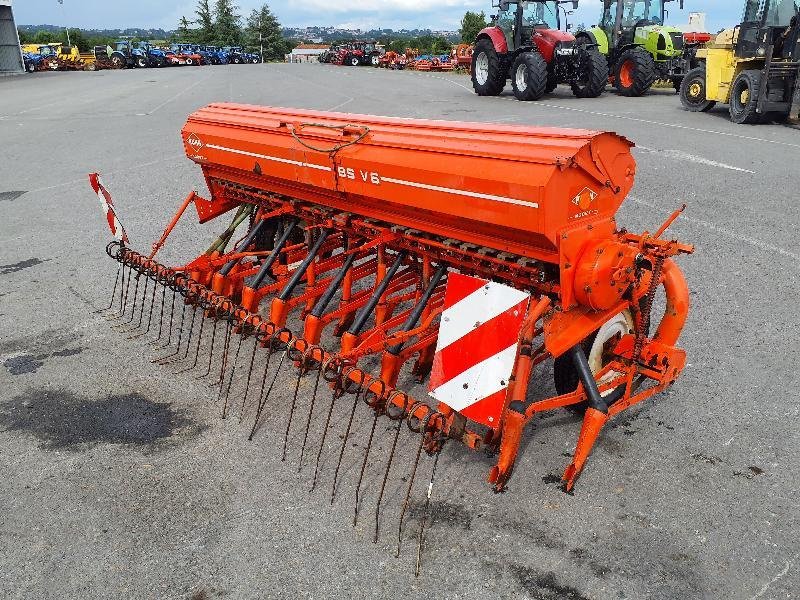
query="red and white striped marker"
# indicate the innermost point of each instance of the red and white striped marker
(477, 346)
(107, 206)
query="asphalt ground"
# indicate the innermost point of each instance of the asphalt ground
(119, 479)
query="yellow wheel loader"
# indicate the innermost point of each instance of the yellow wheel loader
(753, 67)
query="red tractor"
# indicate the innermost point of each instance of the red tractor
(525, 43)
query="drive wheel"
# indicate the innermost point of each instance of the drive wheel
(189, 61)
(141, 62)
(529, 76)
(236, 60)
(373, 60)
(488, 77)
(693, 91)
(744, 98)
(593, 75)
(598, 347)
(635, 72)
(30, 67)
(353, 61)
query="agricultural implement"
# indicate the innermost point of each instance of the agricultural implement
(525, 43)
(463, 255)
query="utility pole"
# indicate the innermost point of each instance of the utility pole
(61, 2)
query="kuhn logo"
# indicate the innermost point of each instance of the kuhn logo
(584, 202)
(194, 142)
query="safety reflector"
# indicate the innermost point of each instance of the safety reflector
(477, 346)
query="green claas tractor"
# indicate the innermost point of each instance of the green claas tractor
(639, 48)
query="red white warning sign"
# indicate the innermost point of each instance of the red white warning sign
(477, 346)
(107, 206)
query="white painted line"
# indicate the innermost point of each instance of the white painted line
(272, 158)
(685, 156)
(756, 243)
(437, 188)
(671, 125)
(178, 95)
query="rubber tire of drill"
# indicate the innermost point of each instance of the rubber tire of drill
(535, 76)
(695, 76)
(496, 80)
(596, 76)
(745, 114)
(644, 72)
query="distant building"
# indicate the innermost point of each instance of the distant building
(10, 51)
(697, 23)
(306, 53)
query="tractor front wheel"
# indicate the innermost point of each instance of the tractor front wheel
(635, 72)
(488, 78)
(592, 75)
(529, 76)
(141, 62)
(744, 98)
(693, 91)
(354, 62)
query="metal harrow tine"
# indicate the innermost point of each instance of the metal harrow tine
(141, 307)
(133, 304)
(412, 476)
(308, 420)
(224, 362)
(395, 416)
(171, 318)
(249, 372)
(113, 292)
(263, 400)
(123, 305)
(425, 514)
(211, 350)
(242, 335)
(161, 316)
(344, 445)
(197, 347)
(291, 413)
(170, 357)
(378, 411)
(268, 344)
(150, 315)
(180, 336)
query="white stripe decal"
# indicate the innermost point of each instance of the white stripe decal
(424, 186)
(274, 158)
(477, 382)
(437, 188)
(479, 307)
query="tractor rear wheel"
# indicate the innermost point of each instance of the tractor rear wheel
(374, 60)
(693, 91)
(353, 61)
(30, 67)
(597, 348)
(141, 62)
(488, 77)
(529, 76)
(592, 75)
(744, 98)
(635, 72)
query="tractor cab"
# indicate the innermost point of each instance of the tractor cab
(754, 67)
(521, 21)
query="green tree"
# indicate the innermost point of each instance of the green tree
(185, 33)
(227, 24)
(205, 19)
(79, 39)
(471, 25)
(44, 37)
(263, 28)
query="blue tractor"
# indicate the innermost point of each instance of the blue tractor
(218, 57)
(154, 57)
(33, 61)
(237, 55)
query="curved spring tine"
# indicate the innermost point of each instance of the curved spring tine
(364, 466)
(291, 412)
(133, 304)
(180, 336)
(197, 347)
(385, 478)
(149, 316)
(263, 402)
(249, 375)
(224, 362)
(124, 306)
(123, 294)
(230, 378)
(322, 441)
(161, 316)
(425, 514)
(211, 350)
(263, 382)
(308, 420)
(344, 445)
(175, 356)
(113, 292)
(141, 307)
(408, 495)
(171, 318)
(191, 332)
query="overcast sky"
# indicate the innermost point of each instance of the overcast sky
(395, 14)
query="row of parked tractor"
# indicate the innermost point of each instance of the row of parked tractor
(126, 54)
(754, 67)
